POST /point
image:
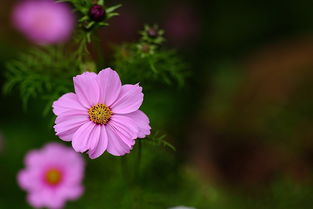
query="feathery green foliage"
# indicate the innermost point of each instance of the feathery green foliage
(149, 62)
(158, 139)
(42, 72)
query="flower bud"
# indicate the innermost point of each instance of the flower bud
(97, 13)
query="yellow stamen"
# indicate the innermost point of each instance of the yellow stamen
(53, 176)
(100, 114)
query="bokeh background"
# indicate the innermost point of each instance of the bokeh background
(242, 125)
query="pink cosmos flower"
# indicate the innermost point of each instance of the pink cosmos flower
(102, 114)
(52, 176)
(44, 21)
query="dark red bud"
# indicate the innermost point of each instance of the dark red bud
(97, 13)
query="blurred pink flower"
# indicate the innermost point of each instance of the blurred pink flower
(52, 176)
(44, 21)
(102, 114)
(182, 25)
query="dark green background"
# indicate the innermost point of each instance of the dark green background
(242, 125)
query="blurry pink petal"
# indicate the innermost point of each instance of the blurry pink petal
(35, 200)
(67, 102)
(48, 191)
(44, 22)
(101, 146)
(142, 122)
(72, 192)
(84, 136)
(33, 158)
(52, 200)
(129, 100)
(110, 86)
(87, 89)
(27, 179)
(23, 180)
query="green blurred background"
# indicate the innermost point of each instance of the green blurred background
(242, 125)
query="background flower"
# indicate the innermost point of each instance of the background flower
(182, 25)
(181, 207)
(52, 176)
(102, 115)
(43, 22)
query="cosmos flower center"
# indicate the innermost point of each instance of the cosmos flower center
(100, 114)
(53, 177)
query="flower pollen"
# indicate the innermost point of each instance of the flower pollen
(100, 114)
(53, 177)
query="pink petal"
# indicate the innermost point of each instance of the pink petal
(142, 121)
(37, 162)
(69, 122)
(75, 173)
(22, 179)
(67, 102)
(110, 86)
(52, 199)
(85, 136)
(94, 137)
(35, 200)
(101, 146)
(116, 146)
(27, 179)
(87, 89)
(125, 127)
(129, 100)
(33, 158)
(71, 192)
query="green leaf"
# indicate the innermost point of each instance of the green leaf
(158, 139)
